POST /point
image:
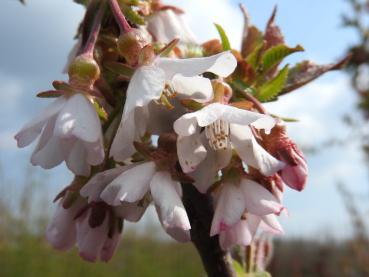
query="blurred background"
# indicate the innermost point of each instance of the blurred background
(326, 232)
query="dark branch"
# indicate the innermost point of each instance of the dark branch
(199, 208)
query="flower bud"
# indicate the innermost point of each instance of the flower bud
(294, 174)
(83, 72)
(130, 45)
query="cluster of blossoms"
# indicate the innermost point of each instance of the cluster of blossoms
(176, 121)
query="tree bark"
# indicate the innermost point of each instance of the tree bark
(216, 261)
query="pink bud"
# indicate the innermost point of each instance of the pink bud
(294, 174)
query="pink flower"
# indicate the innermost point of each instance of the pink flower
(70, 131)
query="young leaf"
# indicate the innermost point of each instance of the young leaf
(225, 41)
(240, 272)
(253, 39)
(272, 88)
(307, 71)
(275, 55)
(132, 15)
(51, 93)
(254, 58)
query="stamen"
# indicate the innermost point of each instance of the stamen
(169, 91)
(218, 134)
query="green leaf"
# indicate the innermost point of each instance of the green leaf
(258, 274)
(223, 36)
(240, 272)
(241, 86)
(120, 68)
(275, 55)
(83, 2)
(254, 58)
(252, 38)
(272, 88)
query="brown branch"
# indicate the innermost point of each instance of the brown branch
(216, 261)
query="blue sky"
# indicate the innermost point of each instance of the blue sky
(36, 39)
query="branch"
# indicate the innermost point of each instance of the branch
(216, 261)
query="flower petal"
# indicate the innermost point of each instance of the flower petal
(258, 200)
(206, 172)
(242, 233)
(77, 160)
(48, 152)
(79, 119)
(110, 246)
(230, 206)
(222, 64)
(147, 84)
(61, 231)
(164, 192)
(130, 186)
(122, 147)
(197, 88)
(94, 187)
(131, 212)
(271, 224)
(166, 25)
(90, 241)
(251, 152)
(191, 152)
(32, 129)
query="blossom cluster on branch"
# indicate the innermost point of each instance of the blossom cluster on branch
(148, 110)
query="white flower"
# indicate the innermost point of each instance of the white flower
(225, 126)
(92, 190)
(236, 199)
(133, 184)
(70, 131)
(243, 232)
(241, 209)
(167, 25)
(170, 75)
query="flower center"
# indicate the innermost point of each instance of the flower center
(218, 134)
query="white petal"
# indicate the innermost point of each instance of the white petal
(130, 186)
(242, 233)
(122, 147)
(77, 160)
(271, 224)
(166, 25)
(32, 129)
(197, 88)
(95, 152)
(267, 123)
(186, 125)
(48, 152)
(191, 152)
(132, 212)
(170, 207)
(79, 119)
(61, 231)
(229, 208)
(110, 246)
(251, 152)
(206, 172)
(90, 241)
(94, 187)
(258, 200)
(147, 84)
(222, 64)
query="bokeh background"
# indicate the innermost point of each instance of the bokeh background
(34, 44)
